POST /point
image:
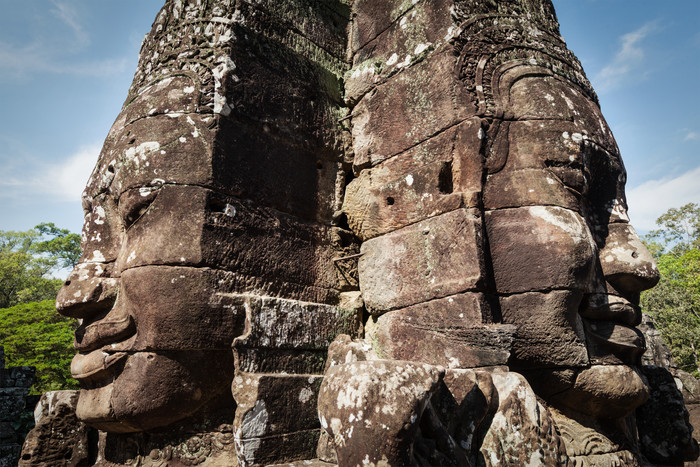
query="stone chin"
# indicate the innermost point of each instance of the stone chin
(151, 390)
(605, 391)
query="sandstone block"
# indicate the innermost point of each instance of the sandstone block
(212, 321)
(605, 392)
(528, 187)
(192, 226)
(613, 343)
(533, 240)
(186, 381)
(287, 335)
(549, 332)
(376, 205)
(409, 108)
(155, 150)
(446, 332)
(411, 36)
(276, 418)
(371, 409)
(435, 258)
(625, 260)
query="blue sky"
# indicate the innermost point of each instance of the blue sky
(66, 65)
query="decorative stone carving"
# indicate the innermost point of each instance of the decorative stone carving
(58, 437)
(429, 183)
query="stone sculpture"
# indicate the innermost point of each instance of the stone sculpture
(211, 208)
(429, 183)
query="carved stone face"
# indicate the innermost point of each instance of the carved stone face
(155, 338)
(567, 265)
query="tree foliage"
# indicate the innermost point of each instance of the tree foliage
(31, 331)
(28, 258)
(674, 304)
(33, 334)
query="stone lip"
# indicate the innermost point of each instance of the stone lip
(612, 308)
(97, 365)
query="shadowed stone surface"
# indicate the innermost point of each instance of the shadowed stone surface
(15, 383)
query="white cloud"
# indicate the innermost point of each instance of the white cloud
(627, 59)
(691, 135)
(652, 198)
(32, 59)
(62, 181)
(69, 16)
(70, 176)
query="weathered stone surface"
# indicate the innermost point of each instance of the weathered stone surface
(385, 125)
(447, 332)
(551, 336)
(536, 440)
(527, 187)
(372, 408)
(665, 433)
(533, 239)
(614, 343)
(605, 391)
(411, 36)
(435, 258)
(287, 335)
(58, 437)
(207, 443)
(344, 349)
(15, 383)
(276, 418)
(387, 205)
(592, 442)
(624, 251)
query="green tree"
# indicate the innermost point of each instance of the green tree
(33, 334)
(680, 228)
(674, 304)
(61, 246)
(28, 258)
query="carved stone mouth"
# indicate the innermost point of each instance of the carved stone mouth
(606, 307)
(625, 342)
(95, 366)
(115, 327)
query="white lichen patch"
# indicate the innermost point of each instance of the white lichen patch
(420, 48)
(305, 395)
(141, 152)
(568, 221)
(97, 256)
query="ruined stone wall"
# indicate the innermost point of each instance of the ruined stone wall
(15, 383)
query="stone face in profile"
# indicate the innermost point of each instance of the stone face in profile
(217, 180)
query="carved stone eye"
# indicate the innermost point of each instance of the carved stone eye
(134, 203)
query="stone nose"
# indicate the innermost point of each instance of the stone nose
(87, 291)
(626, 262)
